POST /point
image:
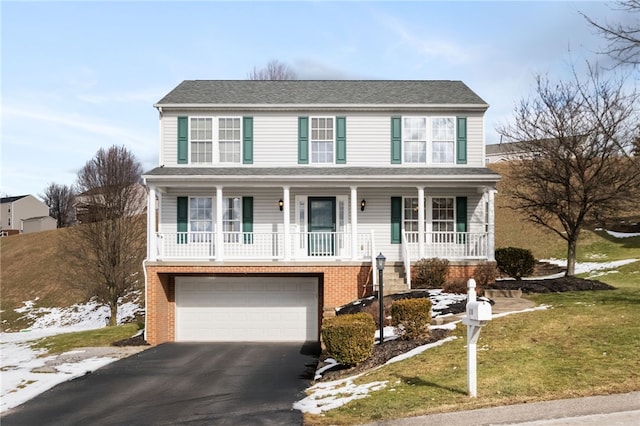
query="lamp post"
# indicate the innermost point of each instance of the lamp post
(380, 266)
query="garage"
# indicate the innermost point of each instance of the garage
(246, 309)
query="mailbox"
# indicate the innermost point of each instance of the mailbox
(479, 311)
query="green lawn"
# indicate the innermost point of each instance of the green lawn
(89, 338)
(585, 343)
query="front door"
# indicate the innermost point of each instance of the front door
(322, 226)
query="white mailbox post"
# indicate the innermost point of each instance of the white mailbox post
(478, 314)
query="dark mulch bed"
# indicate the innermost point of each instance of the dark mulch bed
(381, 354)
(132, 341)
(553, 285)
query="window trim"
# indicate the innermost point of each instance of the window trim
(428, 212)
(429, 139)
(333, 140)
(215, 140)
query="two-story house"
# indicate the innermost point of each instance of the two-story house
(275, 197)
(24, 214)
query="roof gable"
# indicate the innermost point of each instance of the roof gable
(322, 92)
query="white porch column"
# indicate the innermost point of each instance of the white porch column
(354, 222)
(491, 228)
(286, 215)
(421, 236)
(219, 226)
(152, 238)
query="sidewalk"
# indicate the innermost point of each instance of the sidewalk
(611, 410)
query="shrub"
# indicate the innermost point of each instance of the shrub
(485, 274)
(349, 339)
(411, 317)
(515, 262)
(430, 273)
(456, 286)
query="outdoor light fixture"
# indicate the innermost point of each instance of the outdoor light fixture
(380, 259)
(380, 265)
(281, 204)
(363, 203)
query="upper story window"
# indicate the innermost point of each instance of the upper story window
(201, 140)
(428, 140)
(322, 139)
(212, 140)
(229, 139)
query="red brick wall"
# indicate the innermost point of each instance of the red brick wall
(338, 285)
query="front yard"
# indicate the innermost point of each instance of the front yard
(585, 343)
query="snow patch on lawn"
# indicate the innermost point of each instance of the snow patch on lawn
(24, 374)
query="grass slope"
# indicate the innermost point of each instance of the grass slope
(33, 266)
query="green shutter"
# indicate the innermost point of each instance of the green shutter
(247, 219)
(396, 220)
(183, 219)
(461, 142)
(183, 140)
(247, 140)
(396, 140)
(303, 140)
(461, 218)
(341, 140)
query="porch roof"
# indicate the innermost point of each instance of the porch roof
(255, 176)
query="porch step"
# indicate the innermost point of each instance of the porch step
(394, 279)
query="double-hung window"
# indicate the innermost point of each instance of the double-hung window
(229, 139)
(232, 219)
(215, 140)
(428, 140)
(200, 219)
(415, 139)
(201, 137)
(322, 140)
(443, 137)
(443, 219)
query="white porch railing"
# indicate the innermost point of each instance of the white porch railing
(446, 245)
(262, 246)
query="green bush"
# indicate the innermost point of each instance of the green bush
(411, 318)
(430, 273)
(349, 339)
(515, 262)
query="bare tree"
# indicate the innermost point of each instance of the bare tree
(623, 38)
(60, 200)
(577, 162)
(274, 70)
(109, 249)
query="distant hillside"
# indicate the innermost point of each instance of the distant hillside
(513, 229)
(35, 266)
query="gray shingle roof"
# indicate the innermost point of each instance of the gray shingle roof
(323, 171)
(322, 92)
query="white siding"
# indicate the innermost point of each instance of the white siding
(275, 142)
(368, 140)
(475, 141)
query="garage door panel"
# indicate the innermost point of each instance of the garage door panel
(246, 308)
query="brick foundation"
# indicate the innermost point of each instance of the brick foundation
(338, 284)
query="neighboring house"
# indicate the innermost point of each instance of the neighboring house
(24, 214)
(90, 206)
(509, 151)
(275, 197)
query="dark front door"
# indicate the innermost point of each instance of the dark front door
(322, 226)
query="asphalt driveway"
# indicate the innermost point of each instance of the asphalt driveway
(182, 383)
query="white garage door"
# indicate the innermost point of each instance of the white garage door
(241, 309)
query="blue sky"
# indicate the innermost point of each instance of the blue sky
(78, 76)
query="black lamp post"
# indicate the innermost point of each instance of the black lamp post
(380, 266)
